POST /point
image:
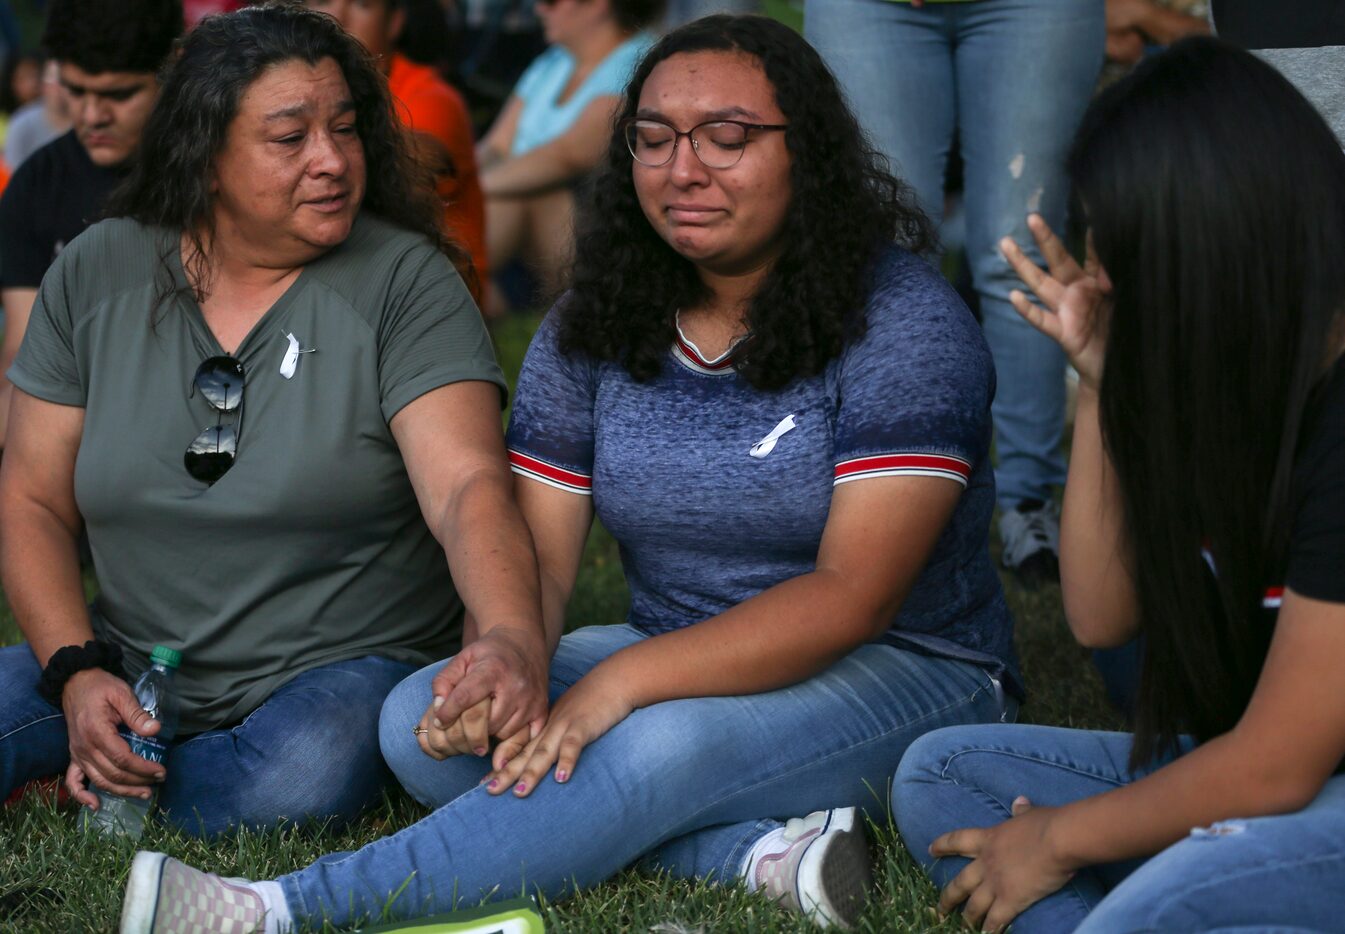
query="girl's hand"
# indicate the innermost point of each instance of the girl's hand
(1078, 299)
(585, 712)
(1012, 867)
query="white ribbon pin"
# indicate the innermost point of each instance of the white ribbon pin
(290, 361)
(767, 444)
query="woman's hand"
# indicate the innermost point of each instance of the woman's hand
(95, 704)
(1079, 299)
(1012, 866)
(595, 704)
(503, 675)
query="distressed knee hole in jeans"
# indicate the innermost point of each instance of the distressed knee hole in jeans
(1224, 828)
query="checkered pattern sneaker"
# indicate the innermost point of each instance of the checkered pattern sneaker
(164, 896)
(820, 867)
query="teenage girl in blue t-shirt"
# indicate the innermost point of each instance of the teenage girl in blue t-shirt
(784, 420)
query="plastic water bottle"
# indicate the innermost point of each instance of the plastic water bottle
(126, 817)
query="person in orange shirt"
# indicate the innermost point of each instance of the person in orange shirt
(436, 114)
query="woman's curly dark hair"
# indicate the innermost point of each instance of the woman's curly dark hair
(169, 185)
(628, 283)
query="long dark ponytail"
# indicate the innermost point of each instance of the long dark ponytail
(1216, 195)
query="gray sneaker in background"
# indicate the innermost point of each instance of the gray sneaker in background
(1030, 533)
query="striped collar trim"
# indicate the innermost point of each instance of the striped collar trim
(690, 356)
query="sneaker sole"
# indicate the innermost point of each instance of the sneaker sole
(837, 865)
(142, 893)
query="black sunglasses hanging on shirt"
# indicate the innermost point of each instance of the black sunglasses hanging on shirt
(220, 382)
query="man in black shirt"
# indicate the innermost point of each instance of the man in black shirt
(108, 54)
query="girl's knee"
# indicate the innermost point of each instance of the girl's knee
(402, 711)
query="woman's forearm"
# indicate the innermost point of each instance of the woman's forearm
(1221, 779)
(779, 637)
(1095, 582)
(39, 561)
(491, 558)
(532, 173)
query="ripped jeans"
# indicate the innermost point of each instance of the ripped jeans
(1285, 872)
(1010, 79)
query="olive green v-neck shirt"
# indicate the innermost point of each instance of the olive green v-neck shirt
(311, 549)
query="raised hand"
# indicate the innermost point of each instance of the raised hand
(95, 704)
(1077, 299)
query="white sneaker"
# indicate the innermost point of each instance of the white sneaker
(164, 896)
(817, 865)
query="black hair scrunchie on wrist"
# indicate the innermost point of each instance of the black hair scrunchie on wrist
(67, 662)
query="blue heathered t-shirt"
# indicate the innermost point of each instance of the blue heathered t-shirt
(703, 524)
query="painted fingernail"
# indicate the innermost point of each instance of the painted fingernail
(480, 750)
(494, 783)
(521, 787)
(437, 701)
(561, 775)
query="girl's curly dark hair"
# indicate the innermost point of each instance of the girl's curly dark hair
(628, 283)
(169, 185)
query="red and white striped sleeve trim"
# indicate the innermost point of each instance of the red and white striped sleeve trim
(558, 477)
(904, 465)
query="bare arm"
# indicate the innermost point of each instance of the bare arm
(1275, 761)
(878, 536)
(18, 304)
(1098, 592)
(565, 158)
(453, 446)
(1095, 581)
(39, 561)
(494, 147)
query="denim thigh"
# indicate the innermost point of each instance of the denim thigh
(968, 776)
(33, 741)
(310, 751)
(1280, 873)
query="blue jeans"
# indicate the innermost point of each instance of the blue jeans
(1012, 78)
(310, 751)
(1285, 872)
(690, 784)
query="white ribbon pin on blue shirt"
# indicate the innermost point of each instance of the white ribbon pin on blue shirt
(290, 361)
(767, 444)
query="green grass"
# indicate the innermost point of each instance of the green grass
(54, 879)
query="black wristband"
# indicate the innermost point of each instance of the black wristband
(67, 662)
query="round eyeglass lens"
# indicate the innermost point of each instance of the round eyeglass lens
(212, 453)
(720, 145)
(220, 381)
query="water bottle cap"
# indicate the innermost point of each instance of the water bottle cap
(162, 654)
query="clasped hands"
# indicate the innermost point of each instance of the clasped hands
(497, 688)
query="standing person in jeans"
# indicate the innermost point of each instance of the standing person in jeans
(1011, 78)
(783, 418)
(1205, 508)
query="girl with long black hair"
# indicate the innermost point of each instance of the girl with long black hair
(1205, 508)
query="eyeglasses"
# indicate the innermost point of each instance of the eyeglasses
(220, 382)
(719, 144)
